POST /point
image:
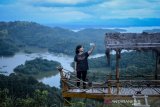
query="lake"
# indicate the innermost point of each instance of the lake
(7, 64)
(128, 29)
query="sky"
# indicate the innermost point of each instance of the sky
(79, 11)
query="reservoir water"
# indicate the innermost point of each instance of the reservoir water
(7, 64)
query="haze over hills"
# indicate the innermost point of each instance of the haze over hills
(19, 34)
(121, 22)
(152, 31)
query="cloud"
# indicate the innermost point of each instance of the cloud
(68, 11)
(126, 9)
(25, 11)
(63, 3)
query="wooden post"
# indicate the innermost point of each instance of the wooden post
(109, 87)
(60, 69)
(65, 86)
(117, 64)
(64, 80)
(108, 56)
(157, 63)
(109, 84)
(158, 66)
(156, 70)
(117, 69)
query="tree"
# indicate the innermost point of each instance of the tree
(40, 98)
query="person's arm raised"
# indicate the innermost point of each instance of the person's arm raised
(92, 48)
(75, 66)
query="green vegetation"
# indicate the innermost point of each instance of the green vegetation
(133, 63)
(7, 48)
(23, 91)
(7, 45)
(134, 58)
(21, 34)
(37, 66)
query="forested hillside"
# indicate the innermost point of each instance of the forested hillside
(24, 91)
(19, 34)
(37, 66)
(133, 63)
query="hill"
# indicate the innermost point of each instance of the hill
(24, 91)
(37, 66)
(131, 63)
(152, 31)
(19, 34)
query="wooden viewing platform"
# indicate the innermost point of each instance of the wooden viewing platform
(127, 88)
(119, 89)
(123, 91)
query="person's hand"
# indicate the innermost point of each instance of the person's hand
(92, 48)
(93, 44)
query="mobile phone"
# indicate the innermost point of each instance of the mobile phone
(91, 44)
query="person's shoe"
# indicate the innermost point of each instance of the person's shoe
(84, 87)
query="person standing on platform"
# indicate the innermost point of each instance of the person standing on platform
(81, 62)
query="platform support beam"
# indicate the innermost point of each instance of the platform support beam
(157, 69)
(117, 64)
(118, 52)
(107, 53)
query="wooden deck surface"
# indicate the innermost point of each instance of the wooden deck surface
(122, 91)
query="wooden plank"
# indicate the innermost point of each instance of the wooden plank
(100, 96)
(122, 91)
(83, 95)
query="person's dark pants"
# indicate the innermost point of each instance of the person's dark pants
(81, 74)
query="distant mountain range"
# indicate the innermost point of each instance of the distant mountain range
(152, 31)
(19, 34)
(124, 22)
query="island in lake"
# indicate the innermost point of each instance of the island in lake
(38, 68)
